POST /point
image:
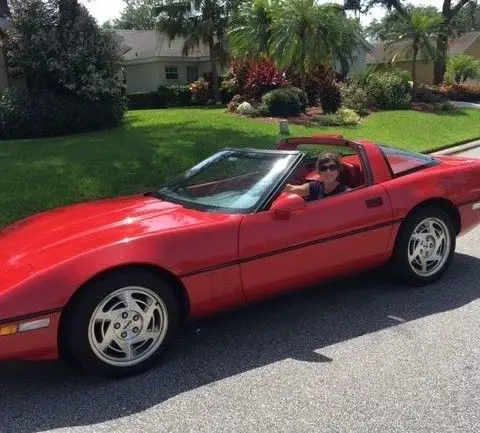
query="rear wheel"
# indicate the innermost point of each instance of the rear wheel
(121, 324)
(425, 246)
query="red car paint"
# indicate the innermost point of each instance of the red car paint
(221, 261)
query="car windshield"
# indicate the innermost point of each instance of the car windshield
(233, 181)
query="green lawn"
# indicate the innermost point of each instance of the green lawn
(153, 145)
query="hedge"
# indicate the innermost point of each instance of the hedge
(164, 97)
(32, 114)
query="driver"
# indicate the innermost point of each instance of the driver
(329, 169)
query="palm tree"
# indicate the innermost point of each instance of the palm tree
(198, 21)
(250, 30)
(417, 28)
(305, 35)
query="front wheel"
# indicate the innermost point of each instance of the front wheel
(425, 247)
(121, 324)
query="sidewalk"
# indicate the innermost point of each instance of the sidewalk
(458, 149)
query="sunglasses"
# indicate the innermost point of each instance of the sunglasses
(331, 167)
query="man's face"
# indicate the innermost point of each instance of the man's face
(328, 171)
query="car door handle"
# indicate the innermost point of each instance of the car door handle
(374, 202)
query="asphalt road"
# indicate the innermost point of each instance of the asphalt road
(361, 355)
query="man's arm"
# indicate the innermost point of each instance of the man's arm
(301, 190)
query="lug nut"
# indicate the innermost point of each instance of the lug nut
(124, 335)
(135, 330)
(117, 325)
(124, 315)
(136, 317)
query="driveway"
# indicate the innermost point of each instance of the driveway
(361, 355)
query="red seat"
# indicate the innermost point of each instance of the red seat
(352, 175)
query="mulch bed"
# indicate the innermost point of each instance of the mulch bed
(304, 119)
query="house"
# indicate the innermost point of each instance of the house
(152, 60)
(400, 53)
(359, 57)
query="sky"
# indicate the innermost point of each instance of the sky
(103, 10)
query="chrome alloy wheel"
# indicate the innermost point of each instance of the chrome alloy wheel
(128, 326)
(429, 247)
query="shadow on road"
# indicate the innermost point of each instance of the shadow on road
(38, 397)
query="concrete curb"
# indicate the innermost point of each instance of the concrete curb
(458, 149)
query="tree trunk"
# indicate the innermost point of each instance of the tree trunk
(213, 66)
(414, 68)
(4, 10)
(302, 64)
(440, 64)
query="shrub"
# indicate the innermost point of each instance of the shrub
(200, 91)
(444, 107)
(166, 96)
(461, 92)
(30, 114)
(145, 100)
(236, 75)
(355, 98)
(176, 96)
(227, 89)
(330, 98)
(283, 102)
(263, 76)
(387, 90)
(460, 68)
(320, 87)
(429, 94)
(343, 117)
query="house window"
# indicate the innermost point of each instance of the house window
(171, 73)
(192, 74)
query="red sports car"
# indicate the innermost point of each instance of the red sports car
(108, 282)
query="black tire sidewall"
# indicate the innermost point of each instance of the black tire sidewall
(91, 296)
(400, 265)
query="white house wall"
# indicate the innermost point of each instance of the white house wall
(147, 77)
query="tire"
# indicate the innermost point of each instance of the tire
(415, 246)
(121, 324)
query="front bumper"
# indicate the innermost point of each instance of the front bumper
(35, 344)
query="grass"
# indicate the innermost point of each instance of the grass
(151, 146)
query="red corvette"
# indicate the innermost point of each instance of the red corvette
(109, 282)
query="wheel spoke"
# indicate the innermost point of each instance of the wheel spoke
(128, 300)
(108, 337)
(440, 239)
(107, 315)
(423, 262)
(127, 348)
(148, 314)
(418, 237)
(415, 254)
(436, 258)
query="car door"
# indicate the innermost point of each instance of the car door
(329, 237)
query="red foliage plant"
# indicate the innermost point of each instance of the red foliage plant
(261, 77)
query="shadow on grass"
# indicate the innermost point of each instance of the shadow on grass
(37, 175)
(295, 327)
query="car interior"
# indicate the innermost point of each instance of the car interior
(352, 171)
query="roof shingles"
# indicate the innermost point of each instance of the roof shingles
(384, 52)
(149, 43)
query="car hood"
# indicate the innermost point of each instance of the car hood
(107, 220)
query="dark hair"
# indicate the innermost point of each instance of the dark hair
(326, 157)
